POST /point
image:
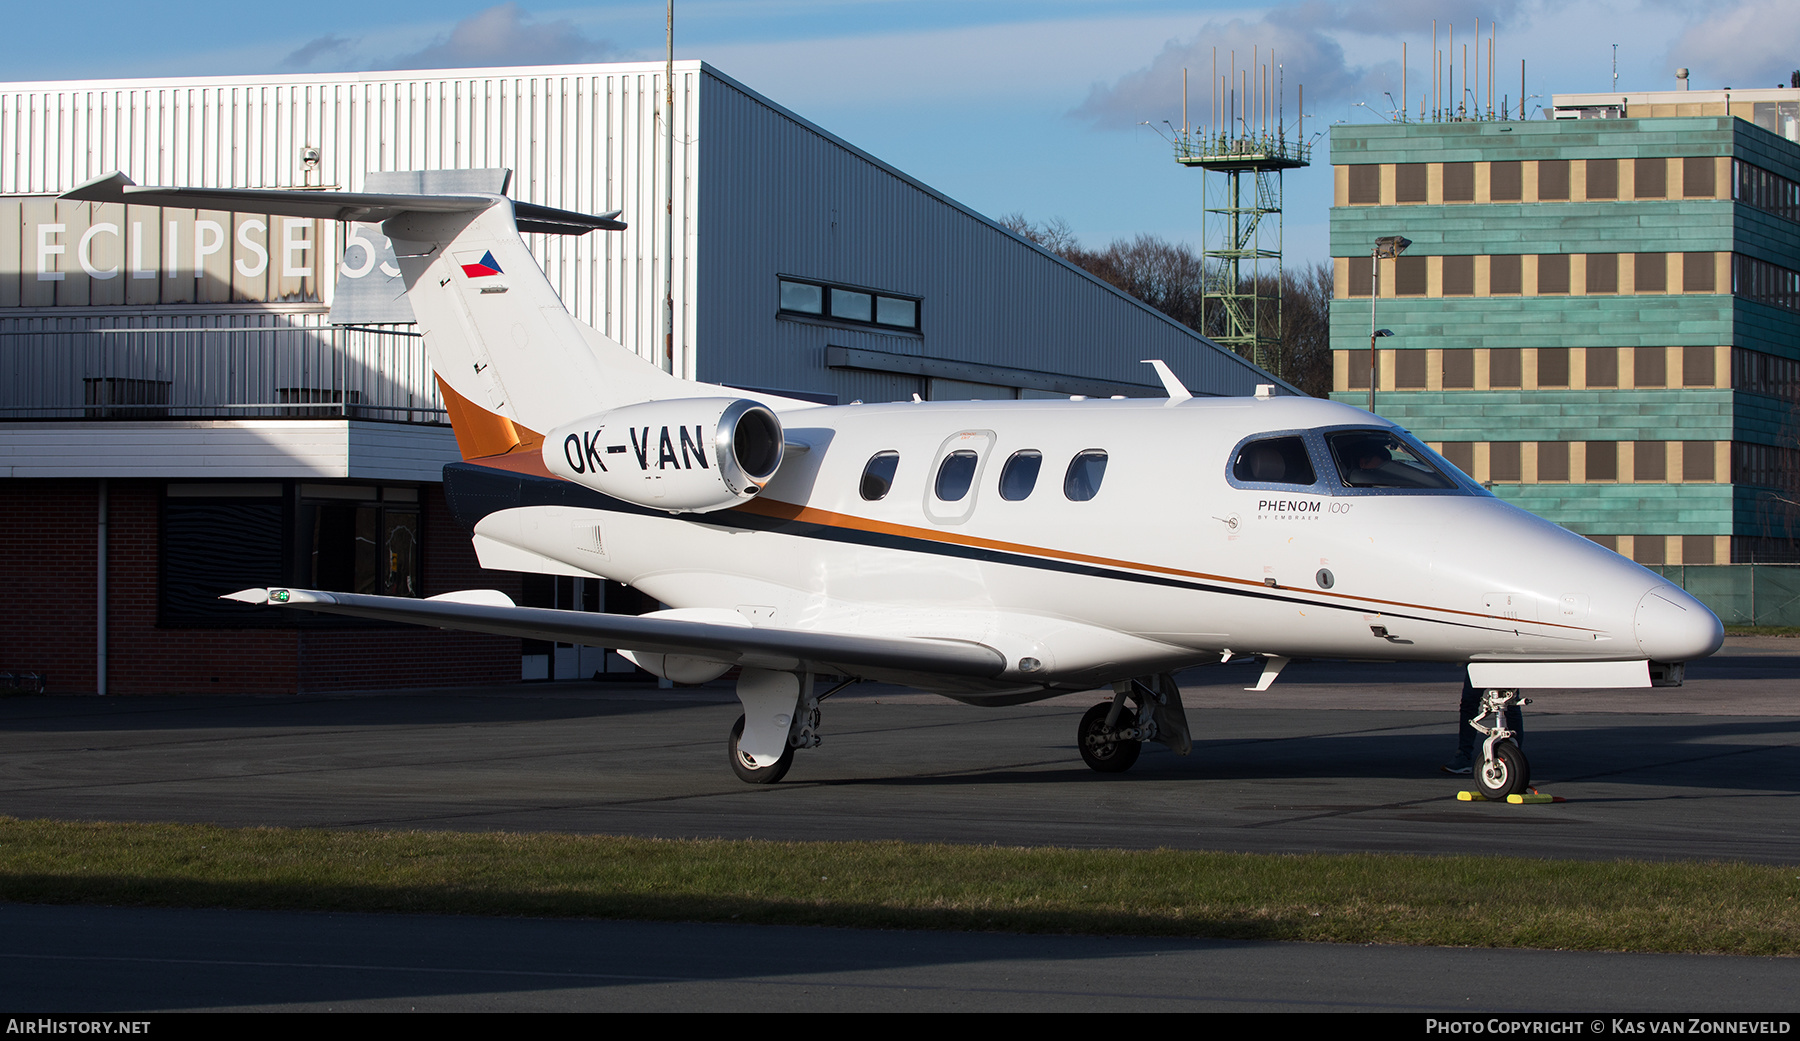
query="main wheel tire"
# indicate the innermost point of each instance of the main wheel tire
(1507, 773)
(1106, 756)
(747, 770)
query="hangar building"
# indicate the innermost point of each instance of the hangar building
(199, 401)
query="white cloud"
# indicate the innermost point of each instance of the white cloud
(506, 35)
(1754, 43)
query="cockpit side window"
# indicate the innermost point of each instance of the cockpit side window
(1274, 460)
(1379, 459)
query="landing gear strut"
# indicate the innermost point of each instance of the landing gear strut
(1503, 769)
(1112, 733)
(781, 714)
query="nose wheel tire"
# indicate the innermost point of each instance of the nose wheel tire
(746, 768)
(1507, 773)
(1099, 749)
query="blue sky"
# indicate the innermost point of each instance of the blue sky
(1006, 105)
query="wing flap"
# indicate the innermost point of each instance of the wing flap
(734, 644)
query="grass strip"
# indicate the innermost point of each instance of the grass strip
(1482, 901)
(1762, 630)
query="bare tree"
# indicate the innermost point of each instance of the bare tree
(1170, 277)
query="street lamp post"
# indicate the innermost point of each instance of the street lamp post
(1386, 247)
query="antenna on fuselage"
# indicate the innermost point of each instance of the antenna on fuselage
(1171, 383)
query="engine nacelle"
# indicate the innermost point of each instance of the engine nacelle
(684, 455)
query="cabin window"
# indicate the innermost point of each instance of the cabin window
(878, 475)
(1275, 460)
(1020, 475)
(954, 476)
(1378, 459)
(1086, 471)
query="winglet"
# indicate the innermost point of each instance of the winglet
(1171, 383)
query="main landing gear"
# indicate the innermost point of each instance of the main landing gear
(1502, 769)
(1112, 733)
(781, 716)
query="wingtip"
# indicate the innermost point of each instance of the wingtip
(248, 596)
(105, 188)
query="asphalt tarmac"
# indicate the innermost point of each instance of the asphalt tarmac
(1334, 758)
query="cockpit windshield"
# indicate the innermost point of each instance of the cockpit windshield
(1382, 459)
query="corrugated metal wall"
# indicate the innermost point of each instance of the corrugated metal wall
(578, 137)
(781, 196)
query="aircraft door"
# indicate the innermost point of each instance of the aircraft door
(954, 480)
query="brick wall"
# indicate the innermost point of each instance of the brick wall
(48, 548)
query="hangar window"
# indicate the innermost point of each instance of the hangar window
(878, 475)
(955, 474)
(1086, 470)
(848, 305)
(1274, 460)
(1020, 475)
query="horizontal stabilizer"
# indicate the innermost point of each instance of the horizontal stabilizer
(336, 205)
(757, 646)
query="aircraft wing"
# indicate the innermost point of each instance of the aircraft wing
(754, 646)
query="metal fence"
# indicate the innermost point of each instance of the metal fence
(220, 372)
(1743, 594)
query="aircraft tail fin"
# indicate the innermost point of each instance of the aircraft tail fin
(511, 360)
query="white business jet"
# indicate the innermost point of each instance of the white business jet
(994, 552)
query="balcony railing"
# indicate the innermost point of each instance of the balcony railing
(289, 372)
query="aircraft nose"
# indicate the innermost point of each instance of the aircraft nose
(1673, 626)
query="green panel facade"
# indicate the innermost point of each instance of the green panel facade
(1753, 416)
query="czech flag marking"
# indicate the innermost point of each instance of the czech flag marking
(482, 268)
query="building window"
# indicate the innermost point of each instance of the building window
(1762, 373)
(1771, 193)
(1503, 462)
(1410, 276)
(360, 539)
(1765, 465)
(1650, 273)
(1649, 461)
(1649, 367)
(1365, 184)
(1553, 274)
(1506, 181)
(849, 305)
(1506, 367)
(1553, 180)
(1459, 276)
(1356, 369)
(1602, 460)
(1697, 461)
(1460, 454)
(1763, 282)
(1697, 273)
(1697, 177)
(1697, 366)
(1552, 460)
(1506, 275)
(1648, 549)
(1602, 272)
(1603, 178)
(1410, 182)
(1409, 369)
(1459, 368)
(1459, 182)
(1650, 178)
(1361, 273)
(1696, 549)
(1602, 366)
(1553, 367)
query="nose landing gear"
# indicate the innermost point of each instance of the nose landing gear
(1503, 769)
